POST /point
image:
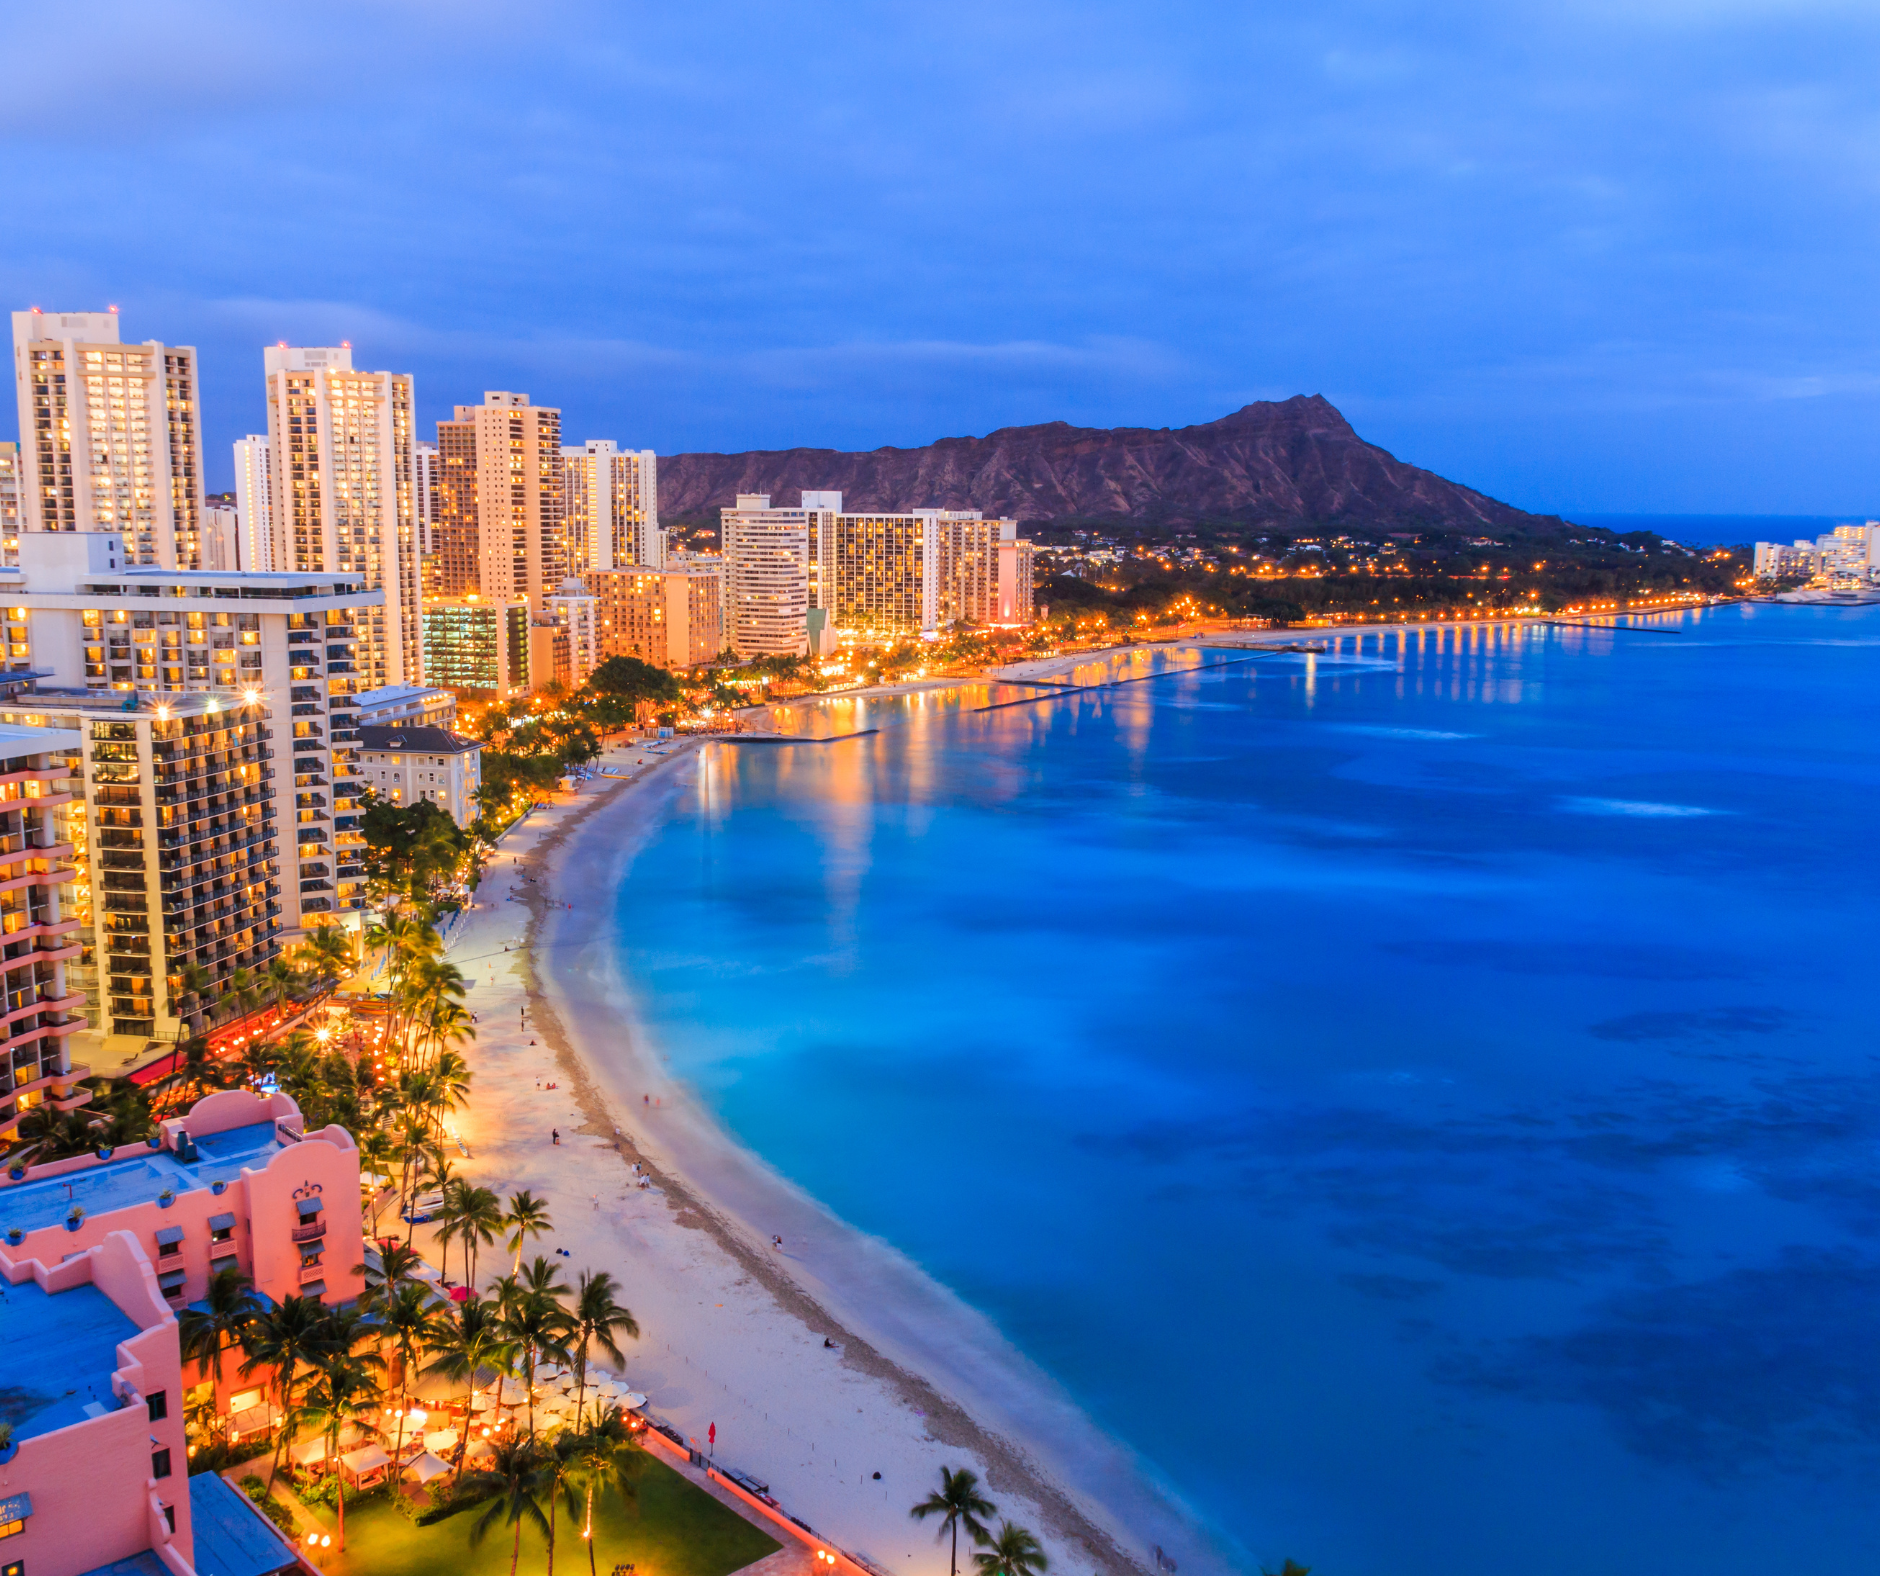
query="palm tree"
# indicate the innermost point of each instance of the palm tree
(281, 978)
(605, 1455)
(378, 1153)
(397, 1266)
(481, 1225)
(510, 1488)
(597, 1320)
(1012, 1551)
(292, 1335)
(1290, 1568)
(470, 1341)
(327, 953)
(958, 1503)
(535, 1321)
(409, 1324)
(228, 1309)
(526, 1217)
(344, 1390)
(191, 981)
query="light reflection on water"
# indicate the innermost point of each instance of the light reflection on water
(1365, 1069)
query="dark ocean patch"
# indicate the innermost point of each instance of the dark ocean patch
(1602, 960)
(1712, 1023)
(1756, 1369)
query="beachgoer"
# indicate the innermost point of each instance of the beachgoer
(555, 1134)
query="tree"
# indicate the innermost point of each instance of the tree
(469, 1341)
(327, 953)
(397, 1266)
(1290, 1568)
(510, 1489)
(597, 1319)
(286, 1338)
(630, 679)
(410, 1326)
(1011, 1551)
(958, 1503)
(535, 1321)
(344, 1390)
(526, 1217)
(228, 1309)
(604, 1454)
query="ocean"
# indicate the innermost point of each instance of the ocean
(1423, 1096)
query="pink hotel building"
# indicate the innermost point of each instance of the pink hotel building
(97, 1256)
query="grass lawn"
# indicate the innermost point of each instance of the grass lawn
(677, 1529)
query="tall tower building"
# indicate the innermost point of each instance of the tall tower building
(611, 506)
(254, 501)
(111, 435)
(340, 444)
(499, 529)
(770, 567)
(424, 494)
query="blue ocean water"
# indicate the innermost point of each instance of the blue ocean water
(1423, 1095)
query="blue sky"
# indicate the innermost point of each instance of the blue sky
(1613, 255)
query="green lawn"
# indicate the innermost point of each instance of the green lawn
(677, 1529)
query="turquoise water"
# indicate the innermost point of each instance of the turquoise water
(1422, 1095)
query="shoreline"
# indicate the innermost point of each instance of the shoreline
(941, 1364)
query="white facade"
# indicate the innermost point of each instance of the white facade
(768, 559)
(406, 764)
(9, 502)
(577, 611)
(254, 502)
(110, 435)
(424, 493)
(611, 507)
(221, 537)
(340, 446)
(1847, 556)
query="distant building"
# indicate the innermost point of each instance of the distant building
(549, 659)
(695, 625)
(768, 555)
(882, 575)
(406, 764)
(475, 643)
(254, 502)
(1848, 557)
(424, 495)
(629, 613)
(578, 612)
(412, 705)
(611, 507)
(340, 445)
(221, 535)
(498, 532)
(113, 435)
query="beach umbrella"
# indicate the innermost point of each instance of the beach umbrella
(441, 1441)
(426, 1467)
(548, 1370)
(633, 1399)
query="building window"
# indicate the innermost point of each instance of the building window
(169, 1517)
(12, 1529)
(159, 1404)
(159, 1463)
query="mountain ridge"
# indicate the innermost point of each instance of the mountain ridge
(1285, 463)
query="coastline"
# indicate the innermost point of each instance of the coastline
(946, 1387)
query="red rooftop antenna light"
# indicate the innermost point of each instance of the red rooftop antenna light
(345, 344)
(111, 309)
(281, 343)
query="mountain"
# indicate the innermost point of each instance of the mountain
(1288, 463)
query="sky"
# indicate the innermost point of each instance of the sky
(1589, 255)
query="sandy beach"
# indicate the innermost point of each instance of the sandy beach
(822, 1363)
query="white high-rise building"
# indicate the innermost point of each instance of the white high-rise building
(768, 555)
(221, 536)
(9, 502)
(611, 507)
(424, 493)
(110, 435)
(254, 501)
(340, 443)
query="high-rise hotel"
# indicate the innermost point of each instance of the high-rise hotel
(791, 575)
(498, 530)
(110, 435)
(342, 494)
(611, 507)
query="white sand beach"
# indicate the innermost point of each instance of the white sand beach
(822, 1363)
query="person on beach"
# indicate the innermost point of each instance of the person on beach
(554, 1134)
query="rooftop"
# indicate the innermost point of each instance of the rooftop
(426, 741)
(138, 1179)
(231, 1540)
(61, 1350)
